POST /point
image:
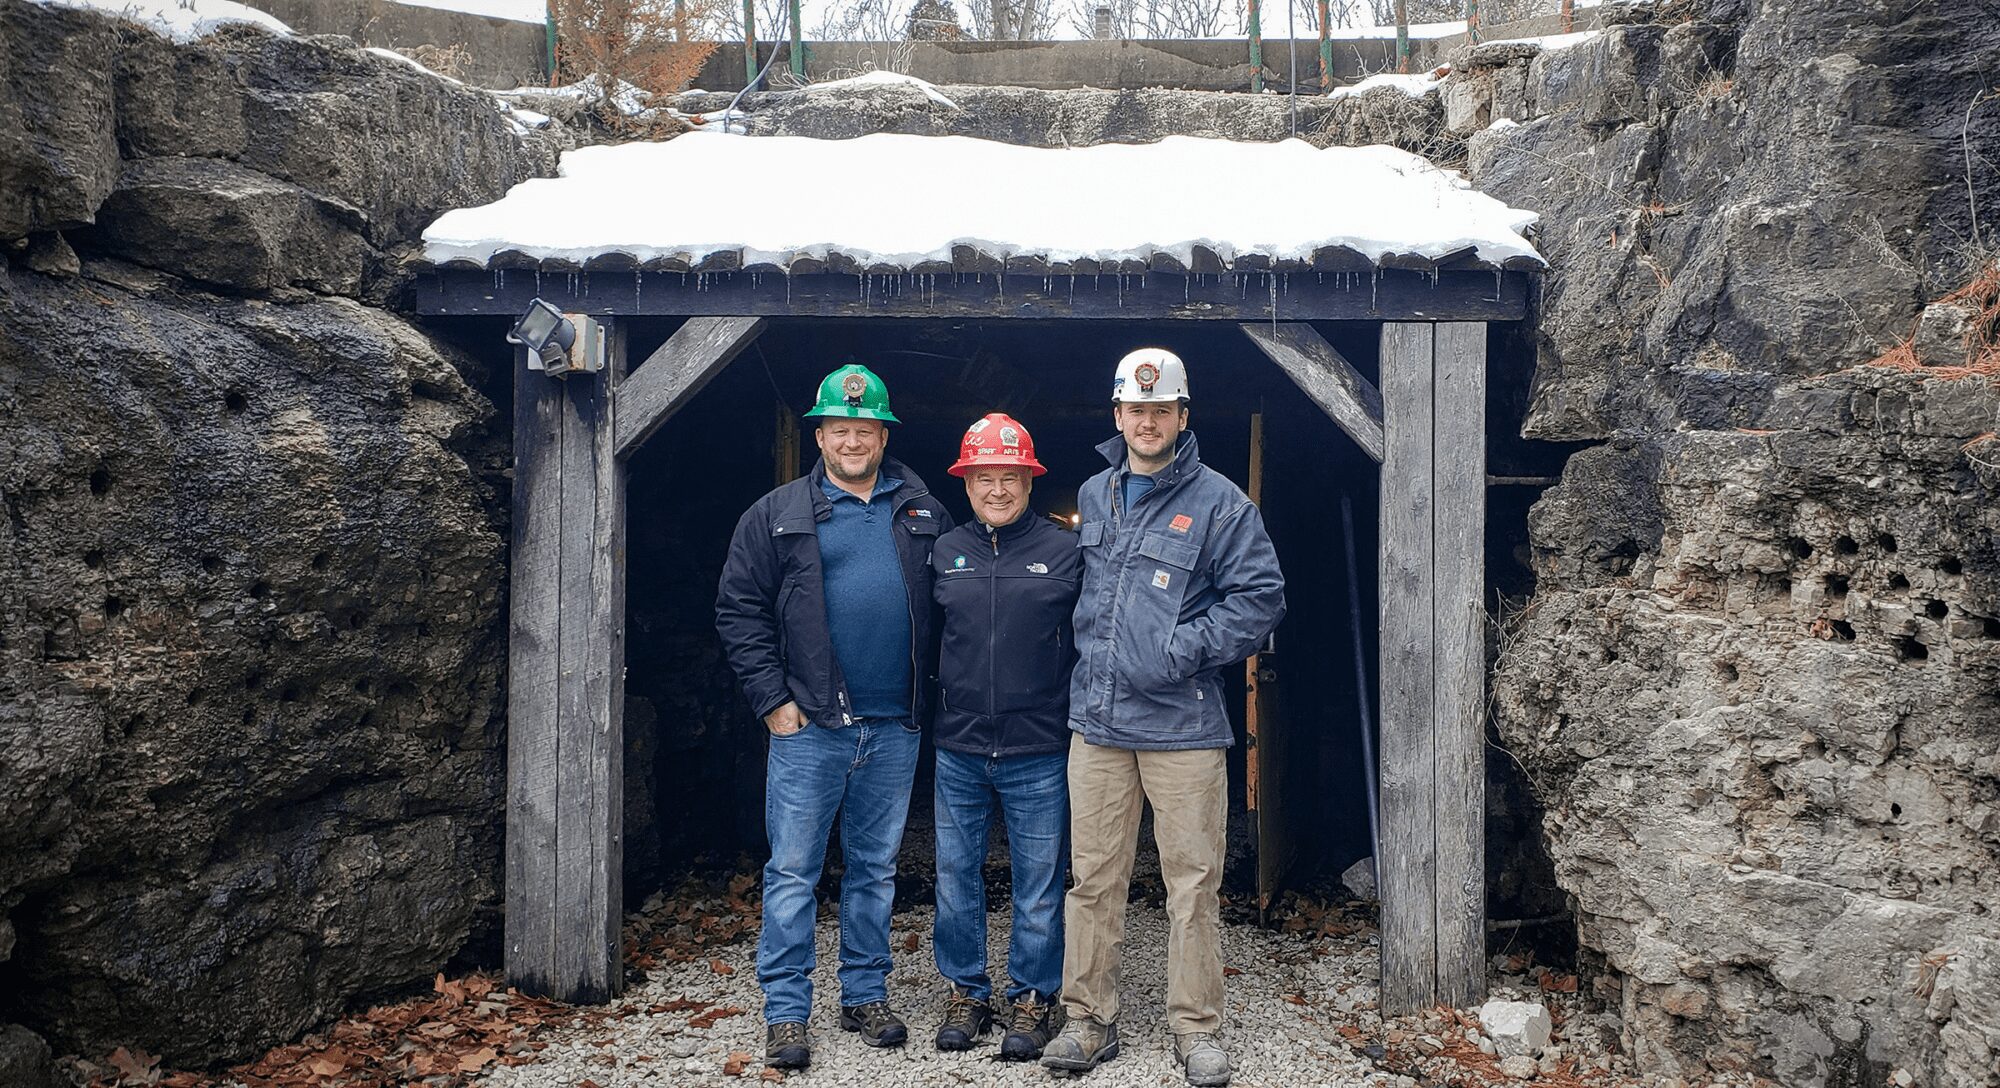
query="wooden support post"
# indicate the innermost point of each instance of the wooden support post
(1432, 863)
(1325, 377)
(1458, 699)
(566, 685)
(695, 353)
(1407, 866)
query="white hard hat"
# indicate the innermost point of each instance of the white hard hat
(1150, 375)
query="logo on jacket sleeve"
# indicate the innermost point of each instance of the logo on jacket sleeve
(1161, 579)
(958, 563)
(1181, 523)
(1038, 568)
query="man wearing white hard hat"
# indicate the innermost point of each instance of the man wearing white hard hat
(1180, 582)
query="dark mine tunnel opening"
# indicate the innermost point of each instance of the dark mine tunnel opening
(695, 756)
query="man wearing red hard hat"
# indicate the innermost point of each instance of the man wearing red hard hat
(1007, 582)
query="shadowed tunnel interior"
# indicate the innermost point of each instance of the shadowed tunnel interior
(695, 760)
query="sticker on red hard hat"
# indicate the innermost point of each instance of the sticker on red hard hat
(1009, 436)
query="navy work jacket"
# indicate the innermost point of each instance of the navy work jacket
(1175, 589)
(770, 605)
(1006, 652)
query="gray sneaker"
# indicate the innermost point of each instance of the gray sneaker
(1083, 1045)
(1202, 1059)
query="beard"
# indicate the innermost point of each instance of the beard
(867, 472)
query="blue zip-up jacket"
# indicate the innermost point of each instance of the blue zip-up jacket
(1006, 654)
(770, 604)
(1179, 587)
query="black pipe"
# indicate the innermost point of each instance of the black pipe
(1367, 719)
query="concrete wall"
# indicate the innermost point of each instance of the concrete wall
(505, 53)
(500, 52)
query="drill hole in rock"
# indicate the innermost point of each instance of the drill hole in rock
(249, 715)
(260, 590)
(1895, 810)
(1909, 649)
(1836, 585)
(1798, 548)
(1936, 609)
(1844, 630)
(1950, 565)
(1845, 545)
(100, 480)
(1728, 672)
(363, 687)
(1898, 581)
(195, 696)
(235, 402)
(93, 559)
(113, 607)
(211, 564)
(357, 619)
(320, 560)
(291, 694)
(1886, 542)
(1989, 627)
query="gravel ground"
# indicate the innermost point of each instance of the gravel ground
(1276, 1042)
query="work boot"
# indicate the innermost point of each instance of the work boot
(787, 1047)
(877, 1025)
(1036, 1020)
(1202, 1059)
(966, 1018)
(1083, 1045)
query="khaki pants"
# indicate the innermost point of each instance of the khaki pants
(1189, 792)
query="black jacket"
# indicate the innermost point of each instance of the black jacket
(1003, 671)
(770, 605)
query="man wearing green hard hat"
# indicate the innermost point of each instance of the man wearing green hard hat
(824, 608)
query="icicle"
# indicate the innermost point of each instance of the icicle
(1272, 280)
(1374, 288)
(788, 288)
(538, 279)
(638, 279)
(1072, 290)
(1121, 290)
(1496, 283)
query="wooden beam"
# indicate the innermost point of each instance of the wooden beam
(565, 715)
(1384, 295)
(1458, 694)
(1407, 866)
(1325, 377)
(695, 353)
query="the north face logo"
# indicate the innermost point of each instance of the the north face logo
(1038, 568)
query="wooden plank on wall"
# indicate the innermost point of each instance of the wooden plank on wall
(566, 697)
(1459, 691)
(1325, 377)
(695, 353)
(533, 685)
(1407, 865)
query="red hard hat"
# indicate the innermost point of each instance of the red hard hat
(997, 442)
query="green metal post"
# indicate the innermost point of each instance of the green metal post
(749, 43)
(1256, 51)
(798, 57)
(549, 24)
(1325, 53)
(1402, 36)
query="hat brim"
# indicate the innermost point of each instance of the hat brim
(881, 414)
(999, 460)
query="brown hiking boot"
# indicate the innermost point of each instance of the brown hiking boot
(1083, 1045)
(966, 1018)
(1036, 1019)
(787, 1047)
(877, 1024)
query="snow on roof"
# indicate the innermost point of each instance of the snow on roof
(896, 202)
(181, 20)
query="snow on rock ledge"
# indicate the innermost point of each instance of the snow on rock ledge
(778, 199)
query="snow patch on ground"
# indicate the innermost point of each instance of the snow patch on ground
(787, 197)
(1550, 42)
(885, 79)
(391, 54)
(1416, 85)
(180, 20)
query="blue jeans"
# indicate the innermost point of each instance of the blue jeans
(863, 771)
(1033, 797)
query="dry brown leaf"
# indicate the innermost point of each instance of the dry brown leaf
(588, 1083)
(739, 1060)
(1295, 999)
(1230, 972)
(772, 1076)
(329, 1062)
(477, 1060)
(720, 967)
(135, 1066)
(910, 943)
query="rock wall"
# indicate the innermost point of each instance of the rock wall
(1758, 685)
(252, 564)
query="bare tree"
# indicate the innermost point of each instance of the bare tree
(1014, 20)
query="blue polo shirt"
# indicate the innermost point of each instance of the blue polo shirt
(867, 604)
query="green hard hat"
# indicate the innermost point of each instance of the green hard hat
(853, 392)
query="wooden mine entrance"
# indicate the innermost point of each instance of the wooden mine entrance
(1424, 425)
